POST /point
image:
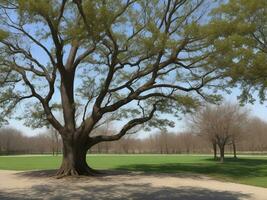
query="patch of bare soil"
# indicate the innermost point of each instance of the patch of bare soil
(122, 185)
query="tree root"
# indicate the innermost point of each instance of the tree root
(66, 172)
(87, 171)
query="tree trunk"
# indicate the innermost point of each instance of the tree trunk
(221, 153)
(74, 159)
(214, 150)
(166, 148)
(234, 149)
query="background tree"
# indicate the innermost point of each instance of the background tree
(199, 123)
(55, 141)
(239, 130)
(163, 142)
(256, 137)
(11, 141)
(83, 60)
(220, 124)
(187, 141)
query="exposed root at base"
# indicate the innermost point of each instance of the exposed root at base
(62, 172)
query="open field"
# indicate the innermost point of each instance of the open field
(250, 170)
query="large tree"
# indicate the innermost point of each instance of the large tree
(85, 61)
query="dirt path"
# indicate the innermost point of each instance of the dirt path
(38, 185)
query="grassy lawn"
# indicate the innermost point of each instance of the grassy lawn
(251, 170)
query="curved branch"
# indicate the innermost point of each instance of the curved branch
(131, 124)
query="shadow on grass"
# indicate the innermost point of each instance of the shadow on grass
(231, 168)
(243, 161)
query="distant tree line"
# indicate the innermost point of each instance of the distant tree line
(13, 141)
(252, 140)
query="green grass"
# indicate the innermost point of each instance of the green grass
(250, 170)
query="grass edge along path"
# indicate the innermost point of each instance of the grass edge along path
(250, 170)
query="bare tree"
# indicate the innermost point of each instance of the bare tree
(238, 131)
(11, 141)
(187, 141)
(55, 141)
(256, 136)
(198, 123)
(163, 139)
(220, 125)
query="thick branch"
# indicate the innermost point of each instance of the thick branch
(131, 124)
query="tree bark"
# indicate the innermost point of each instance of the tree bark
(214, 150)
(221, 153)
(74, 159)
(234, 149)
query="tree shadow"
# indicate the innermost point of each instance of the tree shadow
(117, 191)
(38, 173)
(52, 174)
(243, 161)
(232, 168)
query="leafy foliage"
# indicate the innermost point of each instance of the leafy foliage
(240, 31)
(85, 60)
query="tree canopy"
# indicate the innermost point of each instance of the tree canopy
(109, 53)
(241, 45)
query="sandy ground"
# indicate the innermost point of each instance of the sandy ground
(122, 185)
